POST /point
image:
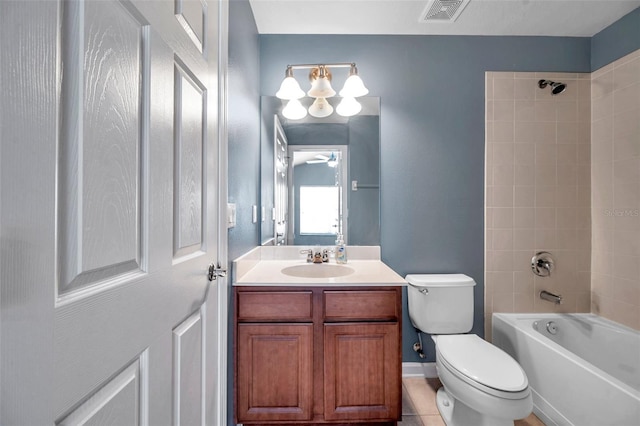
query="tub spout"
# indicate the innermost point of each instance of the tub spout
(550, 297)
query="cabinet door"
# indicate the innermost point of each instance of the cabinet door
(274, 372)
(362, 371)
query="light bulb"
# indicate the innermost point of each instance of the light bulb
(290, 89)
(294, 110)
(320, 108)
(348, 107)
(320, 83)
(353, 87)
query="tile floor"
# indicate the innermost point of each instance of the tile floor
(419, 404)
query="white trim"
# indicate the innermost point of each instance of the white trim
(222, 287)
(419, 369)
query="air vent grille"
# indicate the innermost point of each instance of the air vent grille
(443, 11)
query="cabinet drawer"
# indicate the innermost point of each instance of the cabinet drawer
(360, 305)
(275, 306)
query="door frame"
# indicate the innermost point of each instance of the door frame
(223, 287)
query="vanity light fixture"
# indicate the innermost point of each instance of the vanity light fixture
(320, 77)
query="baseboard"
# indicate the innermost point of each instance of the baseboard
(419, 369)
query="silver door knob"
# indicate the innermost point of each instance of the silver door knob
(215, 272)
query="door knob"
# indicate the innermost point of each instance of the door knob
(215, 272)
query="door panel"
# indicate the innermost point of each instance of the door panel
(113, 98)
(192, 15)
(118, 402)
(187, 371)
(100, 143)
(190, 108)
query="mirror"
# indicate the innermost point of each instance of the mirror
(346, 196)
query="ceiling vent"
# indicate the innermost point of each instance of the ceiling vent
(443, 11)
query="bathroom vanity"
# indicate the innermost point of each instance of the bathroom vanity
(314, 350)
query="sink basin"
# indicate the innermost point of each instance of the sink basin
(315, 270)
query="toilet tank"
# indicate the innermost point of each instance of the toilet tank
(441, 303)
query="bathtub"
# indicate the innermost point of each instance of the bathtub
(582, 369)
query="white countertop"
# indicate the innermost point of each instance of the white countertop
(260, 269)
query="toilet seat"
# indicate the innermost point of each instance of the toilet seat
(482, 365)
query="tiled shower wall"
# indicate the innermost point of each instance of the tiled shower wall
(615, 191)
(537, 192)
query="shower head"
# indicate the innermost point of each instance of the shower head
(555, 86)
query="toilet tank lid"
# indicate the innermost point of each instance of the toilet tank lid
(440, 280)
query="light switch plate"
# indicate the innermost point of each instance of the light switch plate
(231, 215)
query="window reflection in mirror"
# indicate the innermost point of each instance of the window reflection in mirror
(317, 200)
(360, 183)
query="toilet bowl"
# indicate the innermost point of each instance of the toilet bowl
(482, 384)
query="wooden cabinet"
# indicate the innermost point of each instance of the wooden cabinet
(275, 373)
(361, 365)
(315, 355)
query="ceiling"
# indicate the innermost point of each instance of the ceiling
(572, 18)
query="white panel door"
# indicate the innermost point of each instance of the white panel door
(109, 189)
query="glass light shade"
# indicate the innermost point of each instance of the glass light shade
(290, 89)
(320, 108)
(348, 107)
(294, 110)
(321, 88)
(354, 87)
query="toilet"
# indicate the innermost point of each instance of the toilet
(482, 384)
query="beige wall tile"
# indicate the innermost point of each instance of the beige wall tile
(602, 82)
(545, 110)
(503, 88)
(524, 196)
(502, 217)
(627, 99)
(525, 110)
(567, 154)
(602, 107)
(524, 154)
(545, 196)
(626, 74)
(546, 155)
(503, 196)
(524, 239)
(524, 175)
(524, 218)
(502, 153)
(503, 110)
(525, 88)
(575, 187)
(503, 132)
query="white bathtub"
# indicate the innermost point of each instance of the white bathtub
(587, 373)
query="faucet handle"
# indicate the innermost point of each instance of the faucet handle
(309, 253)
(542, 264)
(325, 255)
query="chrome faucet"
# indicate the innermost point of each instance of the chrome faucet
(317, 255)
(550, 297)
(542, 264)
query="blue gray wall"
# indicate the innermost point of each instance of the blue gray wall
(244, 147)
(432, 135)
(364, 167)
(616, 41)
(243, 126)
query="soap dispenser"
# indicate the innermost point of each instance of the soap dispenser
(341, 250)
